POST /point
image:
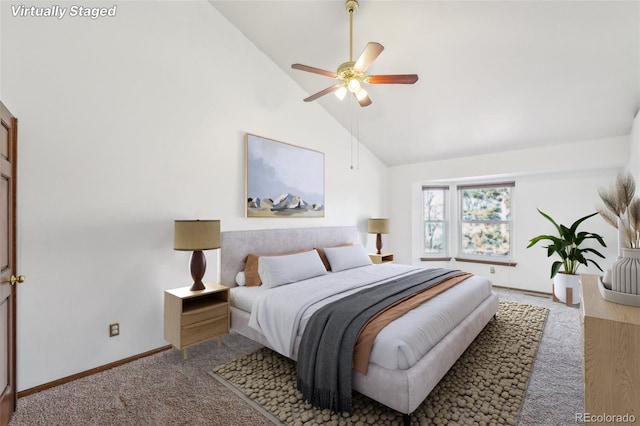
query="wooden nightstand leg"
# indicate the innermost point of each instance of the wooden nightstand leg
(569, 296)
(185, 354)
(219, 341)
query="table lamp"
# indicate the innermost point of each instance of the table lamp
(196, 236)
(378, 226)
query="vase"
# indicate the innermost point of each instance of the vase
(561, 282)
(625, 272)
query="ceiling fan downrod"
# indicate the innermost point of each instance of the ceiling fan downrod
(351, 6)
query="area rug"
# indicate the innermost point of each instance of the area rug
(485, 386)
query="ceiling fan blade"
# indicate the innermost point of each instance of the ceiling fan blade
(392, 79)
(363, 100)
(314, 70)
(323, 92)
(368, 55)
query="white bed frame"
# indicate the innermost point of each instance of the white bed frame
(401, 390)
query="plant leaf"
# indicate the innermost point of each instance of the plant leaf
(567, 245)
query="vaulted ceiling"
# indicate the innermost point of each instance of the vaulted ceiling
(493, 75)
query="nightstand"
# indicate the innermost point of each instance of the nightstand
(192, 317)
(381, 258)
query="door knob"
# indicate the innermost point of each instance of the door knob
(16, 279)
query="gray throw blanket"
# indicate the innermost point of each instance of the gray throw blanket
(325, 355)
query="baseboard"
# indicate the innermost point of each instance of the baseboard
(522, 290)
(77, 376)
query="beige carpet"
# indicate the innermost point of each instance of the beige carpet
(486, 386)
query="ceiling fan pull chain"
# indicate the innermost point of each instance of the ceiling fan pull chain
(353, 110)
(351, 130)
(358, 140)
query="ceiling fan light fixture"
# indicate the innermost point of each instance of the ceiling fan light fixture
(341, 92)
(354, 85)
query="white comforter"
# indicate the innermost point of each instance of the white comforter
(281, 313)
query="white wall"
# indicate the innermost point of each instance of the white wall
(634, 161)
(545, 178)
(126, 124)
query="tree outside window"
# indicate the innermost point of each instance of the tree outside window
(485, 220)
(435, 224)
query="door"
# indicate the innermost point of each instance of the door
(8, 151)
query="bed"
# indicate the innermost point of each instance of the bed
(399, 383)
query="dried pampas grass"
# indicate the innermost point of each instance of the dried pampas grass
(622, 208)
(626, 190)
(634, 220)
(608, 217)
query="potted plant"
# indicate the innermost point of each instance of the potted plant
(568, 246)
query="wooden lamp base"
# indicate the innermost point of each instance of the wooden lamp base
(198, 267)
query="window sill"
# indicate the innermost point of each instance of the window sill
(486, 262)
(435, 259)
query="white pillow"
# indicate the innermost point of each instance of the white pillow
(278, 270)
(241, 280)
(347, 257)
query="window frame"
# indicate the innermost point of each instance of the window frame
(453, 223)
(446, 223)
(499, 259)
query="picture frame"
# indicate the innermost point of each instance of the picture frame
(282, 180)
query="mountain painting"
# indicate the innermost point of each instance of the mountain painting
(283, 180)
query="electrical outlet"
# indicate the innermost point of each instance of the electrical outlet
(114, 329)
(492, 270)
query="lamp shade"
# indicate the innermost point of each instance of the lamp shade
(378, 226)
(196, 235)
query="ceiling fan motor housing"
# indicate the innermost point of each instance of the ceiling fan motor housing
(346, 72)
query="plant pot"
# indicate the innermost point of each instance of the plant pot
(563, 281)
(625, 272)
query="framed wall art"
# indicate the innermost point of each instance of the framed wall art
(283, 180)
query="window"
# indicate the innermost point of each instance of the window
(485, 220)
(434, 213)
(477, 223)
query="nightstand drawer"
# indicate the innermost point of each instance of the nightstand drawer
(196, 333)
(204, 313)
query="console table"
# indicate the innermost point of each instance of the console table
(611, 354)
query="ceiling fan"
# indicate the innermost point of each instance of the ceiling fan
(352, 74)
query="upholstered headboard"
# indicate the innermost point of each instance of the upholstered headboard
(236, 245)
